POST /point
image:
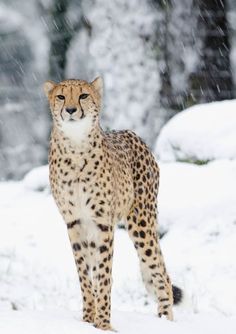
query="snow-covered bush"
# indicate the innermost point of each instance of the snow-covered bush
(200, 134)
(37, 179)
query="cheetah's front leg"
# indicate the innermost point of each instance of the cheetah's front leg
(103, 279)
(80, 249)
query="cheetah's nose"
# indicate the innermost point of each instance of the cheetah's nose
(71, 110)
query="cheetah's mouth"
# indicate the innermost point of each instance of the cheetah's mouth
(71, 119)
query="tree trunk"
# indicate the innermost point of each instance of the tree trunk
(166, 91)
(61, 34)
(172, 98)
(212, 80)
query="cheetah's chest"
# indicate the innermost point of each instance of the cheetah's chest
(76, 202)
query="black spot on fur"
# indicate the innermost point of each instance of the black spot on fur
(103, 249)
(85, 163)
(142, 223)
(142, 234)
(72, 224)
(76, 247)
(103, 227)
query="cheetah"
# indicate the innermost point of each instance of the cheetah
(98, 178)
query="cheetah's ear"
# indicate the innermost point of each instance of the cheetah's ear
(48, 87)
(98, 85)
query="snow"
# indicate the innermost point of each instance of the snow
(197, 208)
(39, 290)
(37, 179)
(12, 322)
(131, 81)
(9, 19)
(200, 134)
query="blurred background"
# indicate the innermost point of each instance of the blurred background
(157, 57)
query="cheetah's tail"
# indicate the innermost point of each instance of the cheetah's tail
(177, 294)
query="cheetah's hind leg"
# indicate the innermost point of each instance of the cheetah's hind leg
(143, 232)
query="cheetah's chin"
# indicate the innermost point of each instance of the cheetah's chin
(77, 130)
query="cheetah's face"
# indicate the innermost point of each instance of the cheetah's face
(74, 100)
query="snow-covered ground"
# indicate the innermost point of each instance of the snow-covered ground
(124, 322)
(39, 289)
(39, 280)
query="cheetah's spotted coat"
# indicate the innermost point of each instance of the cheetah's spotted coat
(97, 178)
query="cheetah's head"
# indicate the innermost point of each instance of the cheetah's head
(74, 101)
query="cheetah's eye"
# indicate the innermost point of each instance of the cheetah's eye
(83, 96)
(61, 97)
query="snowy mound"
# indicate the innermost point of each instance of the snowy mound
(37, 179)
(200, 134)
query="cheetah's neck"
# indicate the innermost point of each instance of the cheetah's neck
(77, 137)
(78, 132)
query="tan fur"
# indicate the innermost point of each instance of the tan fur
(97, 178)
